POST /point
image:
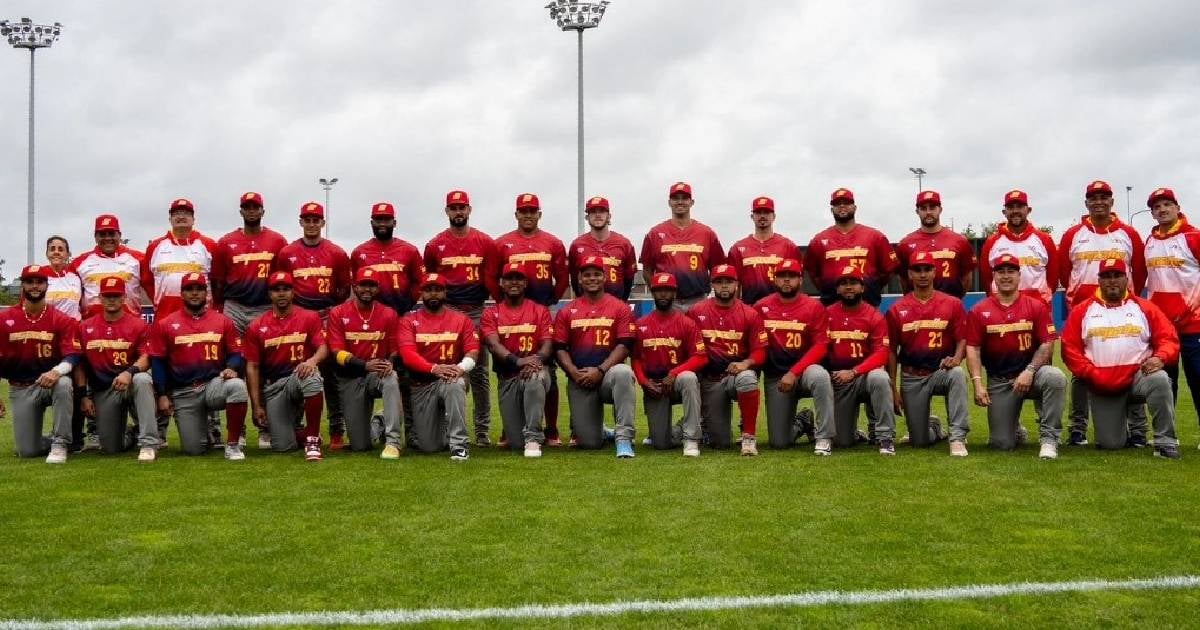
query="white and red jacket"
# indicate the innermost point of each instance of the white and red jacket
(1085, 245)
(1037, 253)
(1173, 274)
(94, 266)
(64, 292)
(167, 260)
(1105, 344)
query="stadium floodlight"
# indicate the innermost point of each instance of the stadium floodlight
(30, 36)
(327, 184)
(578, 16)
(920, 173)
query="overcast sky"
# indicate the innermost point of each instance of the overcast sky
(142, 102)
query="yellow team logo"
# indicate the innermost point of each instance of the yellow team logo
(367, 273)
(1014, 195)
(841, 192)
(380, 207)
(595, 201)
(721, 269)
(928, 196)
(526, 198)
(181, 202)
(663, 278)
(456, 196)
(1097, 185)
(106, 222)
(110, 283)
(310, 207)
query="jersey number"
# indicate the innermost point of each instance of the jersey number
(211, 352)
(120, 358)
(694, 262)
(612, 275)
(472, 273)
(1024, 341)
(524, 343)
(542, 272)
(263, 268)
(446, 352)
(945, 268)
(603, 337)
(322, 285)
(45, 350)
(856, 350)
(674, 357)
(297, 353)
(793, 340)
(935, 339)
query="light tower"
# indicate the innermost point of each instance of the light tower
(327, 184)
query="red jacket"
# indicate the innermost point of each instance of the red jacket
(1119, 337)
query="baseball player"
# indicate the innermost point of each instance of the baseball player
(1173, 281)
(545, 257)
(1012, 335)
(64, 292)
(466, 260)
(797, 333)
(927, 329)
(110, 258)
(756, 256)
(439, 346)
(736, 343)
(195, 359)
(859, 348)
(1100, 235)
(666, 356)
(953, 258)
(1034, 249)
(519, 334)
(115, 373)
(592, 337)
(41, 348)
(602, 241)
(846, 243)
(321, 275)
(284, 348)
(682, 247)
(362, 338)
(1118, 343)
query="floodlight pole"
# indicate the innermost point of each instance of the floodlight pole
(920, 173)
(327, 184)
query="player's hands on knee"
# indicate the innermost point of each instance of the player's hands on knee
(653, 389)
(88, 407)
(787, 383)
(306, 369)
(842, 377)
(1152, 365)
(165, 406)
(1023, 383)
(382, 367)
(982, 397)
(228, 373)
(48, 379)
(122, 381)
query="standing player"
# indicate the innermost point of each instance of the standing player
(736, 343)
(544, 256)
(439, 346)
(927, 330)
(613, 247)
(592, 338)
(519, 334)
(682, 247)
(1173, 281)
(195, 356)
(111, 259)
(116, 374)
(1033, 248)
(362, 339)
(64, 290)
(953, 258)
(1099, 236)
(666, 356)
(321, 275)
(397, 261)
(466, 260)
(182, 250)
(756, 256)
(1117, 343)
(848, 243)
(1012, 335)
(284, 348)
(797, 333)
(41, 348)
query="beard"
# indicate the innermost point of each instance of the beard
(664, 304)
(843, 220)
(850, 302)
(33, 298)
(252, 223)
(789, 292)
(383, 233)
(458, 221)
(433, 304)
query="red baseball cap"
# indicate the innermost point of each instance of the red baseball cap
(528, 200)
(921, 259)
(663, 281)
(182, 204)
(929, 198)
(106, 222)
(280, 277)
(1097, 186)
(1016, 197)
(595, 262)
(727, 272)
(841, 194)
(312, 209)
(680, 188)
(788, 265)
(383, 209)
(850, 271)
(1113, 264)
(1161, 193)
(596, 203)
(251, 198)
(1006, 260)
(35, 271)
(432, 280)
(112, 285)
(366, 274)
(762, 203)
(457, 198)
(193, 278)
(514, 268)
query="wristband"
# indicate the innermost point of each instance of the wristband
(467, 364)
(1029, 368)
(977, 378)
(63, 368)
(133, 370)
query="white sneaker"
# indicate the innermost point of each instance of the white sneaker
(58, 454)
(824, 447)
(647, 442)
(91, 442)
(147, 454)
(264, 441)
(1049, 451)
(242, 441)
(749, 445)
(691, 448)
(958, 449)
(533, 449)
(233, 452)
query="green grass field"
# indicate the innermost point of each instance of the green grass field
(105, 537)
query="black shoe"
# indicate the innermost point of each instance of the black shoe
(1078, 438)
(459, 453)
(1166, 452)
(1136, 441)
(861, 438)
(482, 440)
(805, 426)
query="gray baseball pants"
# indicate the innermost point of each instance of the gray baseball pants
(587, 407)
(440, 415)
(358, 405)
(717, 397)
(873, 389)
(1048, 393)
(285, 408)
(1111, 417)
(522, 408)
(917, 393)
(781, 408)
(1079, 411)
(112, 413)
(663, 435)
(481, 395)
(29, 405)
(194, 404)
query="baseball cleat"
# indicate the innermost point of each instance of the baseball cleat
(264, 441)
(887, 447)
(233, 452)
(554, 441)
(503, 443)
(58, 454)
(162, 443)
(214, 438)
(377, 428)
(1169, 451)
(1049, 451)
(574, 441)
(958, 448)
(936, 428)
(646, 441)
(390, 452)
(824, 447)
(1078, 438)
(147, 454)
(749, 445)
(91, 442)
(312, 450)
(609, 435)
(1022, 435)
(337, 442)
(459, 454)
(691, 448)
(804, 425)
(624, 449)
(1136, 441)
(533, 449)
(482, 440)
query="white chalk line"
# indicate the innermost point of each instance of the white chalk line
(560, 611)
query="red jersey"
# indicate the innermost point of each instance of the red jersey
(241, 264)
(1084, 246)
(1037, 253)
(831, 251)
(168, 259)
(369, 335)
(797, 333)
(545, 261)
(618, 255)
(402, 267)
(858, 338)
(687, 253)
(521, 330)
(1173, 274)
(31, 347)
(667, 343)
(196, 349)
(111, 347)
(589, 330)
(126, 264)
(469, 264)
(1105, 344)
(1008, 336)
(438, 338)
(755, 262)
(924, 333)
(320, 273)
(952, 255)
(279, 344)
(730, 334)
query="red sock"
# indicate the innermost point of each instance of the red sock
(551, 411)
(748, 405)
(314, 408)
(235, 418)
